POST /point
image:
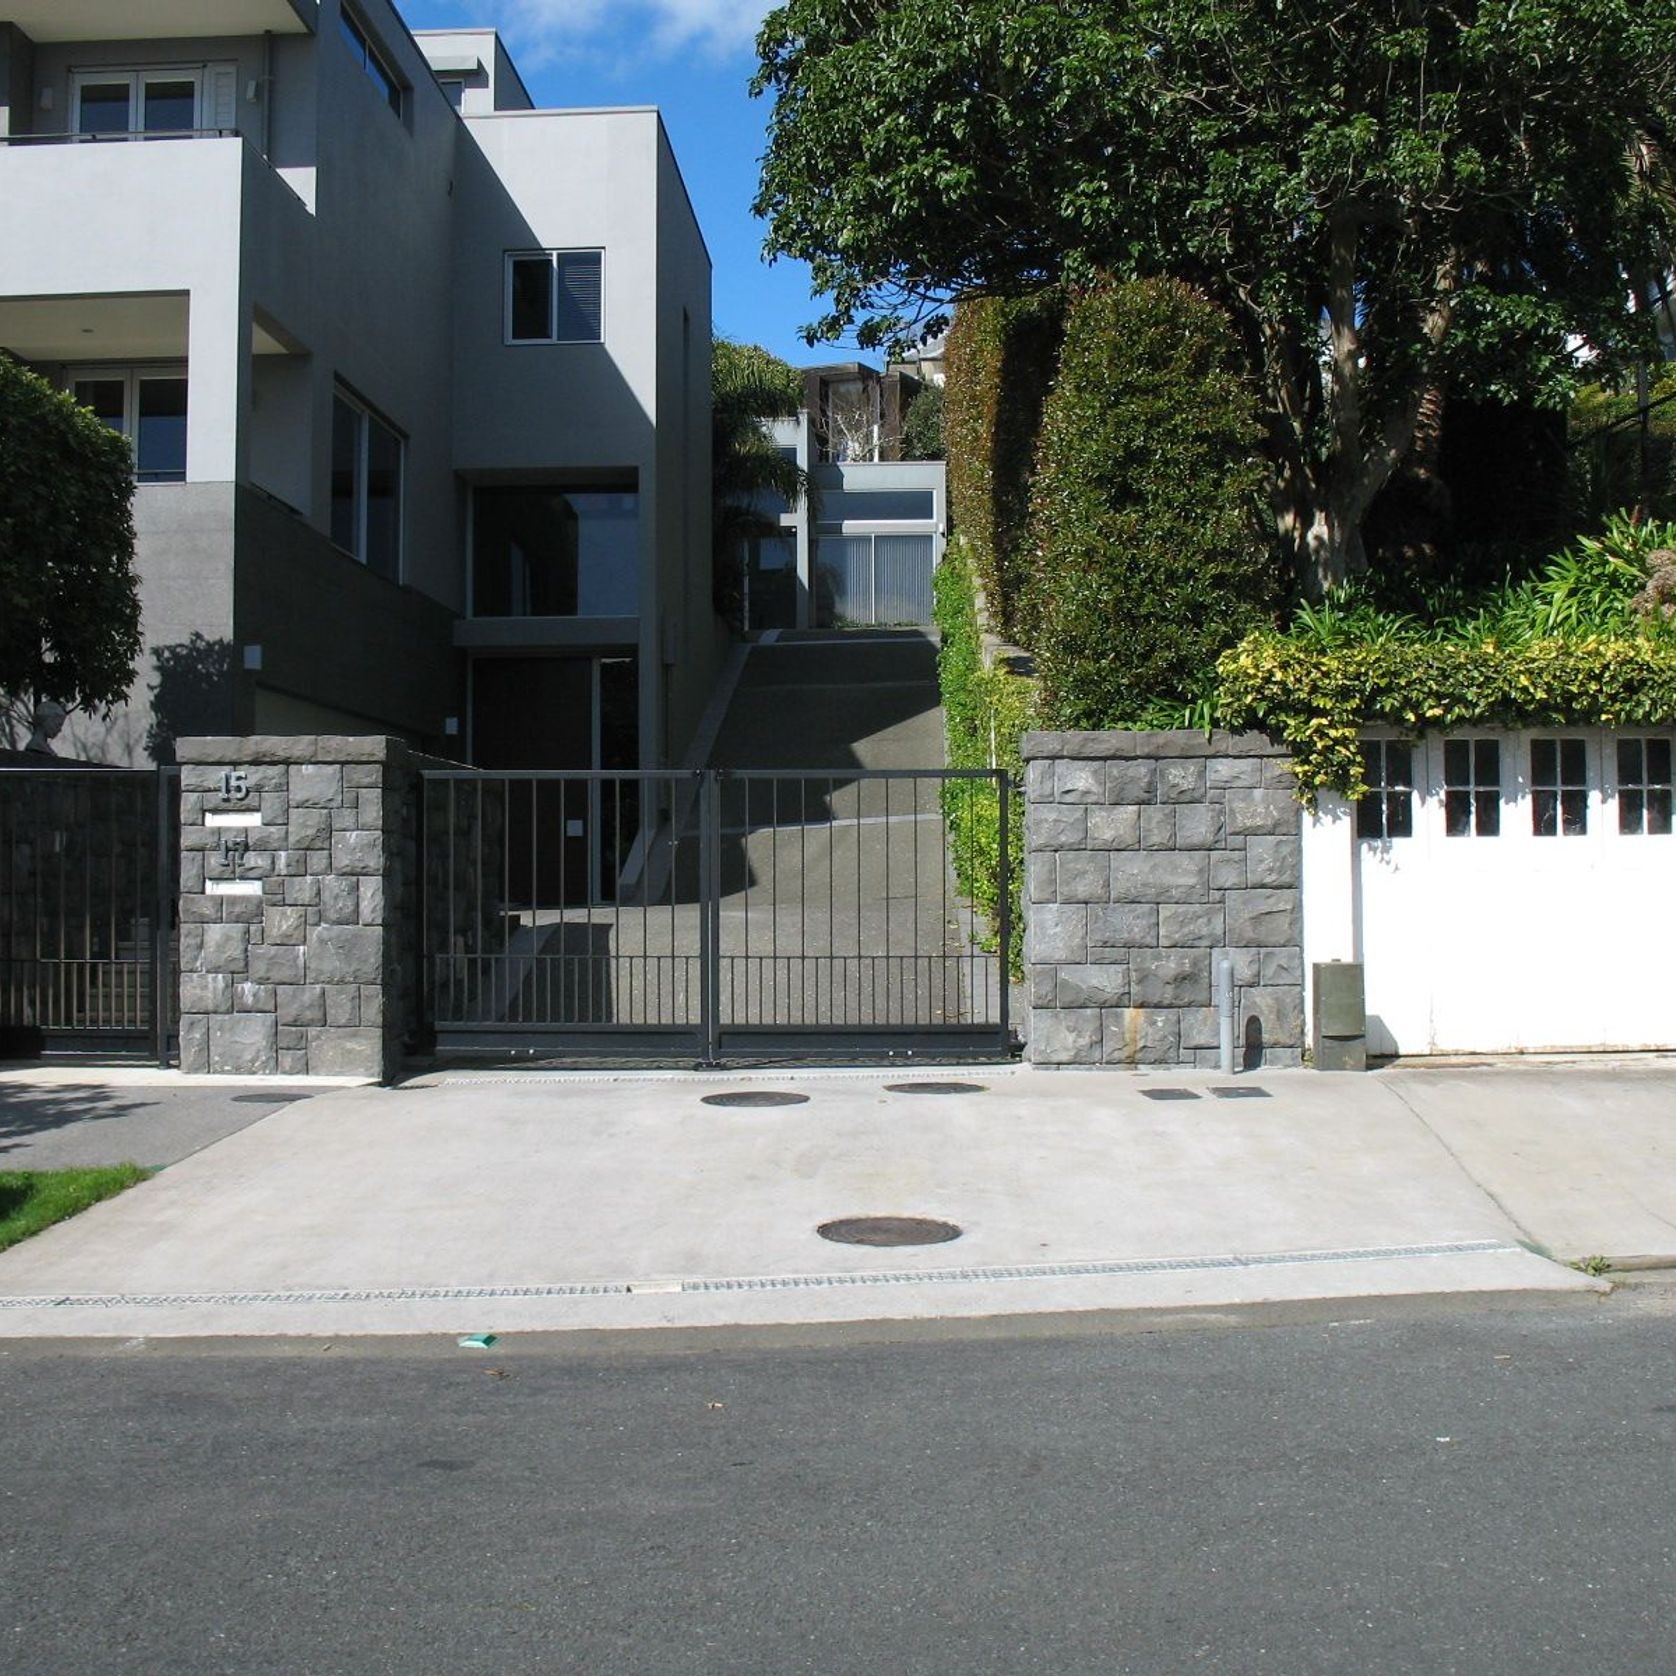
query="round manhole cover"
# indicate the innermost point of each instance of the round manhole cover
(757, 1097)
(934, 1088)
(888, 1230)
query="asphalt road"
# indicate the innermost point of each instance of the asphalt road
(56, 1123)
(1481, 1492)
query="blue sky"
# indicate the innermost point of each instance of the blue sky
(693, 59)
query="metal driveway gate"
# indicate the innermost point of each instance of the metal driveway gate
(89, 864)
(711, 913)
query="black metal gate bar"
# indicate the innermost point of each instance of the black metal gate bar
(89, 869)
(658, 912)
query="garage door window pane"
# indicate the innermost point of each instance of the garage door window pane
(1472, 788)
(1644, 786)
(1559, 788)
(1387, 811)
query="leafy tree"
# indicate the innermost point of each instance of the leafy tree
(1387, 196)
(749, 388)
(69, 603)
(922, 430)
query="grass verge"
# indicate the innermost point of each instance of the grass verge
(31, 1200)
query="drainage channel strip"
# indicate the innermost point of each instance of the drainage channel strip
(768, 1283)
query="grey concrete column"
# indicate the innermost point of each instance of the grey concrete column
(295, 908)
(1150, 857)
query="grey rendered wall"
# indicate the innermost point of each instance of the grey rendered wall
(17, 80)
(184, 681)
(1149, 858)
(693, 640)
(334, 633)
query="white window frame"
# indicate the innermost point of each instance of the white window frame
(137, 76)
(367, 415)
(131, 375)
(552, 256)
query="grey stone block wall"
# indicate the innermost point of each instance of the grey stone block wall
(296, 931)
(1149, 858)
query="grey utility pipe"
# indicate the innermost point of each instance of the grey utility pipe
(1225, 1014)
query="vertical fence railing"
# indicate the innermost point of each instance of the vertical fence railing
(89, 866)
(712, 912)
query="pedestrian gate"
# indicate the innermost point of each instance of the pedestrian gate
(89, 861)
(713, 913)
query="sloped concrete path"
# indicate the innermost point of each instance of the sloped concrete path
(483, 1202)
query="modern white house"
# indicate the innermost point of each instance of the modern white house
(859, 553)
(416, 375)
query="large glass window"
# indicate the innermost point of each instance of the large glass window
(371, 60)
(877, 506)
(554, 296)
(551, 552)
(146, 405)
(136, 104)
(366, 487)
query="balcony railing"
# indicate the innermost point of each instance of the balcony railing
(121, 136)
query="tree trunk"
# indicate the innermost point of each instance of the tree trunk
(1330, 551)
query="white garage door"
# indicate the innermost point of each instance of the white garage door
(1517, 892)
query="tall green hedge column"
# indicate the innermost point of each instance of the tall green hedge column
(1147, 552)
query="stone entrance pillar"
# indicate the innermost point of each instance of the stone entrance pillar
(298, 905)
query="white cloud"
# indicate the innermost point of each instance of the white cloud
(550, 29)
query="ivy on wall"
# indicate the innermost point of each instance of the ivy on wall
(985, 711)
(1590, 642)
(1001, 356)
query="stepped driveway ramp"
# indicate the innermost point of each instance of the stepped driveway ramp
(829, 855)
(822, 699)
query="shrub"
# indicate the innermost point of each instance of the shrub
(1000, 360)
(1148, 556)
(984, 713)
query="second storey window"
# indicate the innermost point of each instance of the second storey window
(554, 296)
(366, 487)
(371, 60)
(148, 406)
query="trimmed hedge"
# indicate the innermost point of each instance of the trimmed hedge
(1000, 361)
(984, 713)
(1148, 552)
